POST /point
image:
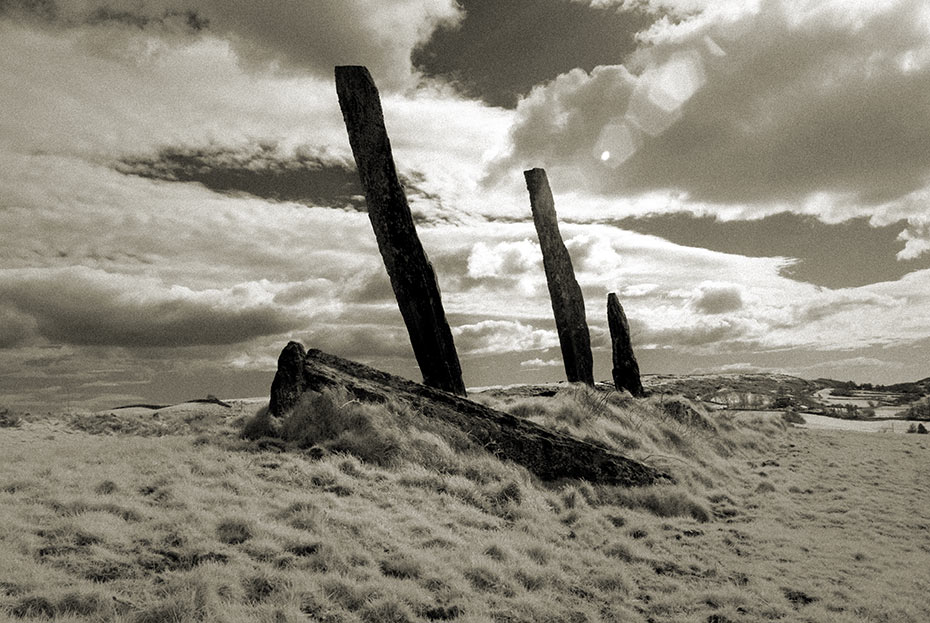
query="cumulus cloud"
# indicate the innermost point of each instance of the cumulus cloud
(769, 106)
(89, 307)
(718, 299)
(504, 258)
(502, 336)
(286, 34)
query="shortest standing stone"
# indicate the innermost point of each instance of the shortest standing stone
(626, 370)
(289, 381)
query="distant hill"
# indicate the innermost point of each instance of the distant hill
(781, 391)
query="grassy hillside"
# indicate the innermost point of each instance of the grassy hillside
(378, 515)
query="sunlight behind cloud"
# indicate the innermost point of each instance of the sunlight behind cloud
(675, 81)
(617, 143)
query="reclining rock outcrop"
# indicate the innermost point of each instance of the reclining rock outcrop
(547, 454)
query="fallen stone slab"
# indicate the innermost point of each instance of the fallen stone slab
(547, 454)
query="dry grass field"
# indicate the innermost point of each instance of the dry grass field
(169, 516)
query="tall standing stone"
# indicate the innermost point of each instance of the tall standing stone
(409, 269)
(564, 291)
(626, 370)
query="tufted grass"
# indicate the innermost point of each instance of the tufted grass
(369, 513)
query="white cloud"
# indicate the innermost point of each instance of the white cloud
(743, 109)
(503, 258)
(502, 336)
(537, 363)
(718, 299)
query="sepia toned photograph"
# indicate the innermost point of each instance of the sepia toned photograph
(481, 311)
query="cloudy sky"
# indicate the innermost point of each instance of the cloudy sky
(178, 198)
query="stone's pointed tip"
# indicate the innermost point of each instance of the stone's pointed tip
(614, 301)
(291, 351)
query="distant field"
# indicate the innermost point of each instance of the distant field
(143, 516)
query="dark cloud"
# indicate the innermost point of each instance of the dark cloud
(84, 307)
(263, 170)
(838, 304)
(191, 20)
(307, 37)
(718, 300)
(840, 255)
(51, 12)
(774, 105)
(46, 10)
(500, 50)
(259, 170)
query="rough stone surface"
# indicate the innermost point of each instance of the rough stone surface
(626, 369)
(289, 382)
(409, 269)
(547, 454)
(564, 291)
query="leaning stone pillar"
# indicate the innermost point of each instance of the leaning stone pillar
(409, 269)
(564, 291)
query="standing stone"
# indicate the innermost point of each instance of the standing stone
(409, 269)
(626, 370)
(564, 291)
(289, 382)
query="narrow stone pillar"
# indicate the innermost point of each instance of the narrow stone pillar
(409, 269)
(626, 370)
(564, 291)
